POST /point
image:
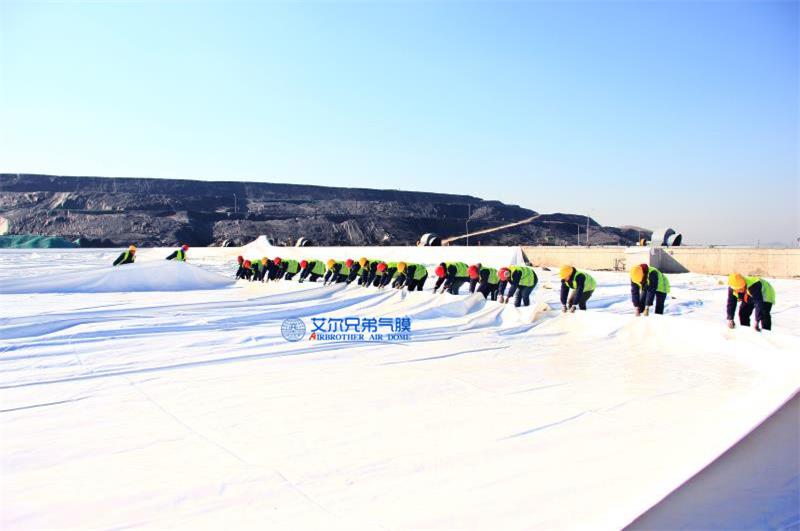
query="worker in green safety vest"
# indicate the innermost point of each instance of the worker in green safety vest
(451, 276)
(369, 270)
(388, 275)
(311, 270)
(483, 279)
(287, 268)
(179, 254)
(754, 293)
(411, 276)
(126, 257)
(582, 285)
(521, 281)
(648, 285)
(338, 271)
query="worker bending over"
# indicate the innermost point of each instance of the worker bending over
(126, 257)
(452, 275)
(648, 285)
(179, 254)
(582, 285)
(754, 293)
(522, 280)
(311, 270)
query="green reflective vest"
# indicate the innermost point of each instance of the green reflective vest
(343, 270)
(318, 268)
(292, 266)
(255, 265)
(180, 255)
(527, 277)
(588, 284)
(663, 281)
(462, 269)
(419, 272)
(767, 291)
(492, 278)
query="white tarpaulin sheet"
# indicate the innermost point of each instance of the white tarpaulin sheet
(190, 410)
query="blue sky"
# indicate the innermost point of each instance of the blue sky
(647, 113)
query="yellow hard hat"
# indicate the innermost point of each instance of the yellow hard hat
(132, 248)
(637, 274)
(331, 263)
(362, 261)
(565, 272)
(401, 266)
(736, 281)
(264, 260)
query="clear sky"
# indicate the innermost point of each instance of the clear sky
(647, 113)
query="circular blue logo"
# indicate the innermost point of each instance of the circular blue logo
(293, 329)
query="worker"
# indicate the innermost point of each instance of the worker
(412, 276)
(266, 267)
(377, 275)
(126, 257)
(179, 254)
(389, 275)
(648, 284)
(275, 272)
(452, 275)
(474, 276)
(484, 280)
(288, 268)
(337, 272)
(248, 271)
(240, 269)
(355, 269)
(311, 270)
(503, 276)
(754, 293)
(255, 269)
(582, 285)
(369, 271)
(522, 280)
(364, 267)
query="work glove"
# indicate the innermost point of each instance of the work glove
(563, 308)
(731, 324)
(572, 309)
(757, 326)
(638, 312)
(506, 301)
(647, 311)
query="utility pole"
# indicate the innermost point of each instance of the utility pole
(587, 231)
(466, 224)
(235, 204)
(579, 234)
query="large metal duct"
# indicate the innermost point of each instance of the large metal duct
(666, 238)
(429, 239)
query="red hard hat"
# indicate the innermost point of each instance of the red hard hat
(349, 262)
(504, 273)
(473, 271)
(247, 263)
(277, 260)
(240, 259)
(184, 247)
(303, 264)
(382, 267)
(440, 271)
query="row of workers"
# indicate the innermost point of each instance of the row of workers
(649, 287)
